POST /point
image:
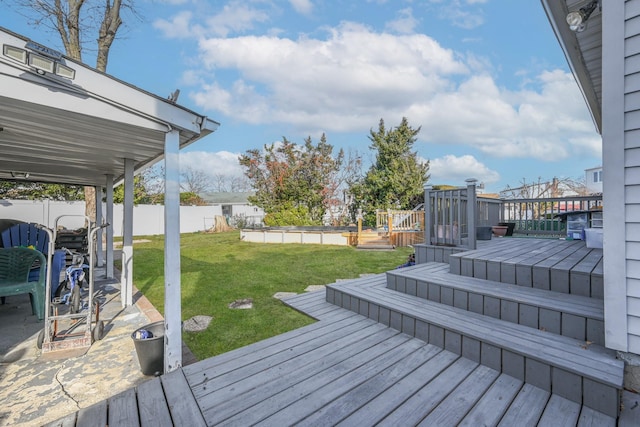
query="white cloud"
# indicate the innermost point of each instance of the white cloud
(236, 17)
(405, 23)
(462, 15)
(354, 77)
(223, 163)
(453, 170)
(304, 7)
(180, 26)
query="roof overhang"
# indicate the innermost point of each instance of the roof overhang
(583, 51)
(78, 131)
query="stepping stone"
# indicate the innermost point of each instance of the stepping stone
(314, 288)
(197, 323)
(282, 295)
(242, 304)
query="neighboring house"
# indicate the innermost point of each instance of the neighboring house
(605, 60)
(540, 189)
(235, 207)
(593, 179)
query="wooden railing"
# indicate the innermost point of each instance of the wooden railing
(450, 221)
(544, 216)
(403, 227)
(399, 220)
(447, 217)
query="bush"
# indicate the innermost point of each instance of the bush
(294, 216)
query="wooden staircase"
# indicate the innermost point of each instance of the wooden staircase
(528, 308)
(374, 240)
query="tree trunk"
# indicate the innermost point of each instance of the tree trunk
(90, 203)
(107, 33)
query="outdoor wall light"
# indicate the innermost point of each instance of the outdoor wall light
(64, 71)
(577, 20)
(47, 62)
(41, 63)
(15, 53)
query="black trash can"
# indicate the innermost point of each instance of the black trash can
(150, 350)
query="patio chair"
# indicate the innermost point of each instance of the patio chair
(15, 268)
(30, 234)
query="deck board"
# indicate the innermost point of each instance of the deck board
(349, 369)
(152, 404)
(342, 378)
(579, 361)
(123, 410)
(251, 391)
(429, 397)
(279, 390)
(494, 403)
(377, 408)
(342, 406)
(252, 364)
(183, 406)
(560, 412)
(452, 409)
(94, 415)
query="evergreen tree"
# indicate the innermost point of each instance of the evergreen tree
(396, 179)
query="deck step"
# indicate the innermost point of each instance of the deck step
(574, 316)
(583, 373)
(560, 266)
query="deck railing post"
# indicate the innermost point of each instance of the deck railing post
(472, 208)
(427, 214)
(359, 217)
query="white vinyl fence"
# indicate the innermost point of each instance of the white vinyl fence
(147, 219)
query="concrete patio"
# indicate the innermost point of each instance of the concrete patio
(36, 389)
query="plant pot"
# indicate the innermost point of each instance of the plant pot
(499, 230)
(510, 227)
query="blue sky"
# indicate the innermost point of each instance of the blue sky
(484, 79)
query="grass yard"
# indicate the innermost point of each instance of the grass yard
(218, 269)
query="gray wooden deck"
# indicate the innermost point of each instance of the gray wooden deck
(347, 369)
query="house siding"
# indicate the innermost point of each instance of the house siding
(621, 161)
(617, 134)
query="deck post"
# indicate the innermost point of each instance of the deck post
(427, 214)
(98, 248)
(172, 301)
(472, 208)
(126, 282)
(109, 230)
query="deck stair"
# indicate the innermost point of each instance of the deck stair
(505, 306)
(374, 240)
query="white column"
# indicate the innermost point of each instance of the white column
(615, 215)
(98, 248)
(126, 281)
(109, 243)
(172, 301)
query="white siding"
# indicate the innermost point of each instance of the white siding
(613, 158)
(632, 169)
(621, 164)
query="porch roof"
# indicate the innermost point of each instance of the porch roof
(583, 50)
(77, 131)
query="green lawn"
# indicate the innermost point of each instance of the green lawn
(218, 269)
